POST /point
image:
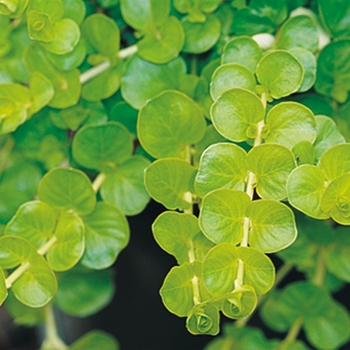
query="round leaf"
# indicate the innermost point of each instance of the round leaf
(280, 73)
(68, 188)
(235, 112)
(170, 123)
(305, 188)
(290, 123)
(222, 165)
(271, 164)
(106, 234)
(95, 340)
(272, 225)
(169, 181)
(203, 319)
(243, 50)
(222, 215)
(99, 146)
(229, 76)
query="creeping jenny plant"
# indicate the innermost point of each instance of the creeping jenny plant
(234, 115)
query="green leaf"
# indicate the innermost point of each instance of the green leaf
(235, 114)
(3, 288)
(125, 187)
(54, 9)
(220, 269)
(170, 182)
(272, 225)
(243, 50)
(95, 340)
(37, 285)
(304, 152)
(333, 74)
(298, 31)
(123, 113)
(284, 78)
(329, 330)
(102, 146)
(200, 37)
(222, 165)
(309, 63)
(335, 14)
(177, 289)
(336, 199)
(229, 76)
(83, 292)
(66, 37)
(102, 33)
(167, 132)
(196, 10)
(106, 235)
(259, 271)
(8, 7)
(289, 123)
(203, 319)
(68, 188)
(335, 161)
(34, 221)
(143, 80)
(328, 135)
(305, 188)
(69, 245)
(40, 26)
(222, 215)
(178, 234)
(75, 10)
(163, 45)
(145, 15)
(271, 164)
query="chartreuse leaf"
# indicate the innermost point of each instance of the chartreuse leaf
(203, 319)
(329, 330)
(163, 44)
(222, 165)
(229, 76)
(101, 146)
(125, 187)
(75, 10)
(309, 63)
(328, 135)
(40, 26)
(200, 37)
(304, 152)
(13, 8)
(271, 165)
(83, 292)
(66, 37)
(272, 225)
(144, 80)
(66, 84)
(169, 123)
(284, 78)
(242, 50)
(37, 285)
(196, 10)
(102, 33)
(68, 188)
(333, 74)
(35, 221)
(170, 182)
(3, 288)
(179, 235)
(305, 187)
(335, 161)
(336, 199)
(42, 91)
(222, 214)
(54, 9)
(235, 114)
(288, 123)
(95, 340)
(334, 15)
(69, 245)
(145, 15)
(106, 234)
(298, 31)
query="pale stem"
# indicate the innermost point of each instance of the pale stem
(45, 248)
(98, 181)
(102, 67)
(320, 271)
(292, 334)
(52, 340)
(10, 280)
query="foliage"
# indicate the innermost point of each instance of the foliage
(234, 115)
